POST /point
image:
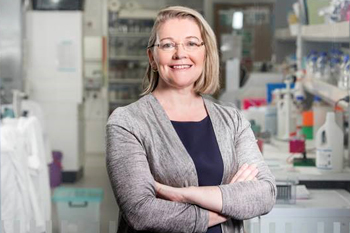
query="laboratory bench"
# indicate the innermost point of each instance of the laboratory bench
(277, 156)
(325, 208)
(325, 211)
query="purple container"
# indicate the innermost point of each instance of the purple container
(56, 169)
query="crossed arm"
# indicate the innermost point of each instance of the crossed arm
(208, 197)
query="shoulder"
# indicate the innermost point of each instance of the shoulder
(130, 114)
(227, 112)
(224, 109)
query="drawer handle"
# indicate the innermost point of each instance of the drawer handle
(71, 204)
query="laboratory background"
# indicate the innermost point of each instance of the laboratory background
(65, 65)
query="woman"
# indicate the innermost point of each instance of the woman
(178, 162)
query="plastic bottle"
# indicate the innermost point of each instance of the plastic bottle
(320, 110)
(344, 78)
(285, 114)
(299, 110)
(329, 146)
(311, 64)
(323, 68)
(335, 70)
(271, 112)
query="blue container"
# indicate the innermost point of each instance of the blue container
(270, 87)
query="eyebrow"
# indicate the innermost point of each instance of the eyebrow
(188, 37)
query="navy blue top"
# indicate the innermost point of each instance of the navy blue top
(200, 142)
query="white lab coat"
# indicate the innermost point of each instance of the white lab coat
(30, 171)
(15, 202)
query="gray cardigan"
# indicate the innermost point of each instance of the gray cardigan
(143, 146)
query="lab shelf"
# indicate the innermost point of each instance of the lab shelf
(128, 58)
(114, 33)
(121, 101)
(129, 31)
(283, 34)
(124, 81)
(329, 93)
(337, 32)
(138, 14)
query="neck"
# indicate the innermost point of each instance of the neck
(176, 98)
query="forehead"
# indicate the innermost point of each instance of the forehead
(179, 28)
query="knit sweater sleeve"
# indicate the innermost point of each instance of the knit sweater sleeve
(244, 200)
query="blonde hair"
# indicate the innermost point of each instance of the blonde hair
(208, 82)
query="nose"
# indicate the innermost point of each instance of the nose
(179, 52)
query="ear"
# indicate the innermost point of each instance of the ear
(151, 59)
(150, 56)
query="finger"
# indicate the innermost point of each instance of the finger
(239, 172)
(244, 175)
(158, 187)
(252, 175)
(252, 167)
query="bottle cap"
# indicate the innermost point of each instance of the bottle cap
(317, 98)
(299, 98)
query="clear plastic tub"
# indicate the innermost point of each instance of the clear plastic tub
(78, 209)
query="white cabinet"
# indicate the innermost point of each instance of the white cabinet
(54, 79)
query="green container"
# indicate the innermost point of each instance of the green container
(308, 131)
(64, 194)
(78, 208)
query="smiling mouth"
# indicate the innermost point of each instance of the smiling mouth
(180, 67)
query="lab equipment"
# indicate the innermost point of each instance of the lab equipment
(271, 119)
(285, 117)
(286, 191)
(323, 68)
(311, 64)
(56, 169)
(320, 110)
(330, 146)
(344, 79)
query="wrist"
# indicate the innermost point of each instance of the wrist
(191, 195)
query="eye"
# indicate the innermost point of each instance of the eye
(167, 45)
(191, 44)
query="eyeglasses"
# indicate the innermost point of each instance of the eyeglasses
(169, 46)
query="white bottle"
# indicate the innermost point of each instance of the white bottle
(286, 115)
(330, 146)
(320, 110)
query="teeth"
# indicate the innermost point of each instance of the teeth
(181, 67)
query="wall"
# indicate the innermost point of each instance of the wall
(159, 4)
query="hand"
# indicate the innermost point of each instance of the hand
(245, 173)
(216, 218)
(170, 193)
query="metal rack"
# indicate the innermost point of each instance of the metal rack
(129, 31)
